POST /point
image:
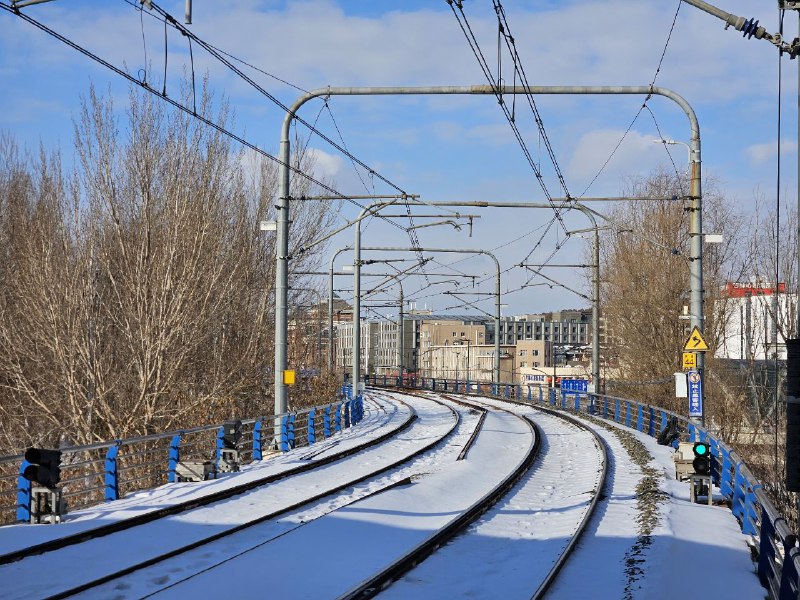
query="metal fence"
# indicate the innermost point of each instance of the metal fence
(773, 543)
(110, 470)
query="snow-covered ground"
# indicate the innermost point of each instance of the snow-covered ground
(324, 549)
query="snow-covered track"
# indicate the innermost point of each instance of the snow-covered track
(204, 500)
(379, 581)
(332, 554)
(598, 492)
(69, 583)
(523, 555)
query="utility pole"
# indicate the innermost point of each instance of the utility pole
(750, 28)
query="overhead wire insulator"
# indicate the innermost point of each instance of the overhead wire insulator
(750, 28)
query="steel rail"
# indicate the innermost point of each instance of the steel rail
(277, 513)
(603, 483)
(375, 584)
(567, 553)
(180, 507)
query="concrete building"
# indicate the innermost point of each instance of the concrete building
(422, 329)
(563, 327)
(468, 362)
(757, 319)
(380, 348)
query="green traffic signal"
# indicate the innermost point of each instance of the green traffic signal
(702, 461)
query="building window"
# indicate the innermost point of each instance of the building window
(535, 352)
(523, 364)
(523, 352)
(535, 364)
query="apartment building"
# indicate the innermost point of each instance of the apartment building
(563, 327)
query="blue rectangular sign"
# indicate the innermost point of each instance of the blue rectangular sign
(575, 385)
(695, 382)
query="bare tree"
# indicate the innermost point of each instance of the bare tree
(136, 296)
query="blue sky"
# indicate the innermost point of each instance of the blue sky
(445, 148)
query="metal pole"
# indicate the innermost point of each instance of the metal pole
(590, 214)
(282, 281)
(402, 342)
(696, 291)
(696, 269)
(330, 305)
(357, 283)
(596, 312)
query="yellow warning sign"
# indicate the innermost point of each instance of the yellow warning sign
(695, 342)
(289, 377)
(689, 360)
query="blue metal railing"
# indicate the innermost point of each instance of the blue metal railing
(774, 542)
(102, 471)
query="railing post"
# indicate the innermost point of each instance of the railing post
(789, 578)
(616, 410)
(285, 433)
(347, 413)
(692, 432)
(552, 396)
(311, 435)
(739, 484)
(605, 407)
(577, 402)
(651, 427)
(766, 551)
(664, 421)
(714, 463)
(257, 449)
(23, 494)
(220, 445)
(726, 475)
(326, 422)
(112, 473)
(627, 413)
(749, 521)
(337, 420)
(174, 457)
(639, 417)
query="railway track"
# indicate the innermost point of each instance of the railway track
(390, 456)
(148, 516)
(263, 540)
(502, 551)
(348, 546)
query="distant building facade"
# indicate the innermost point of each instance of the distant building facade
(563, 327)
(757, 317)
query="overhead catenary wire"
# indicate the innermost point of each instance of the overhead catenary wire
(642, 107)
(168, 18)
(174, 103)
(474, 45)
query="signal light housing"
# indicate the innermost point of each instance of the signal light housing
(231, 434)
(702, 458)
(45, 467)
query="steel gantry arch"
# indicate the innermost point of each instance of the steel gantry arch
(284, 193)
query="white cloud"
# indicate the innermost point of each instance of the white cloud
(762, 153)
(326, 165)
(593, 149)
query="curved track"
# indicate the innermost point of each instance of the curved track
(358, 546)
(521, 544)
(228, 517)
(92, 531)
(363, 523)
